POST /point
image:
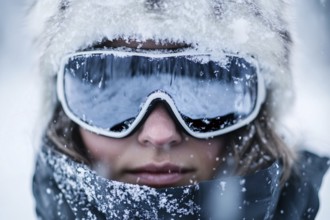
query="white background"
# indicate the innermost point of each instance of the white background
(20, 99)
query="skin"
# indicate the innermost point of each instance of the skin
(158, 154)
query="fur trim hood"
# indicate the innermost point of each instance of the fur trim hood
(255, 28)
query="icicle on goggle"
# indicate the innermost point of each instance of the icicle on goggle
(110, 92)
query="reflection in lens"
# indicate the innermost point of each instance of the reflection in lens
(209, 95)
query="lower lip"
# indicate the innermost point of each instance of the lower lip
(158, 179)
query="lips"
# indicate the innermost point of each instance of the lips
(160, 175)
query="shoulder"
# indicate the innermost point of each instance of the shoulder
(312, 167)
(299, 196)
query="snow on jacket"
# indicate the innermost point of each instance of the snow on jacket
(65, 189)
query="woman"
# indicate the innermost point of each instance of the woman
(168, 110)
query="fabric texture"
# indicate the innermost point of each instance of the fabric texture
(65, 189)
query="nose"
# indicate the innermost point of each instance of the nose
(159, 129)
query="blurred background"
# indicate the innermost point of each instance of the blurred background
(20, 100)
(19, 97)
(310, 117)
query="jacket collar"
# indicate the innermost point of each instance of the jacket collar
(253, 196)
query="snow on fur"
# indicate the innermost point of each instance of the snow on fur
(248, 27)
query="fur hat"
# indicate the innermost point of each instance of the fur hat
(255, 28)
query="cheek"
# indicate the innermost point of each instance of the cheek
(212, 154)
(210, 150)
(101, 148)
(207, 157)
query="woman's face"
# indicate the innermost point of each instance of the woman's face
(158, 154)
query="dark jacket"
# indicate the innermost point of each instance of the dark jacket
(64, 189)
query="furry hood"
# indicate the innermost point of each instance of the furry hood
(257, 28)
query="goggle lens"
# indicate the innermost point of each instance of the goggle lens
(110, 93)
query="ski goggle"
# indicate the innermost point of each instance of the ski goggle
(111, 92)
